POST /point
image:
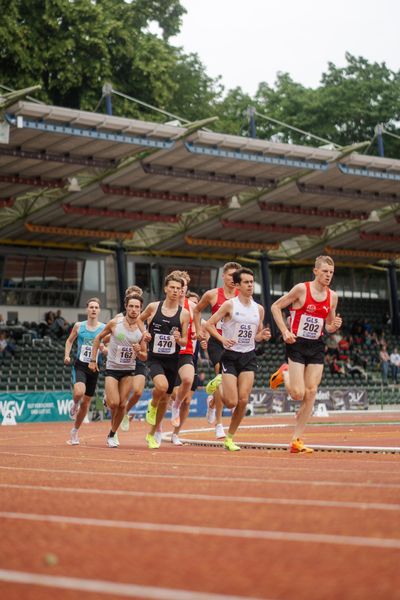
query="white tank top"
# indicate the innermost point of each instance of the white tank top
(242, 326)
(121, 356)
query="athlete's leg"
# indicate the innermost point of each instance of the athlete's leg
(78, 392)
(159, 399)
(137, 389)
(294, 380)
(184, 411)
(124, 389)
(245, 383)
(312, 379)
(186, 374)
(82, 411)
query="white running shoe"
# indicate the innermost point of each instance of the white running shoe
(175, 418)
(111, 443)
(74, 439)
(74, 409)
(175, 440)
(158, 437)
(116, 439)
(125, 423)
(219, 431)
(211, 411)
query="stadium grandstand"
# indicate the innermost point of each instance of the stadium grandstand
(91, 203)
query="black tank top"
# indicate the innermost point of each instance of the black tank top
(161, 329)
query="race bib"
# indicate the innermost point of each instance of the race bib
(310, 327)
(164, 344)
(125, 355)
(244, 333)
(85, 353)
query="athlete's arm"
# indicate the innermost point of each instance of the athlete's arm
(263, 333)
(333, 321)
(149, 311)
(185, 320)
(141, 350)
(69, 342)
(108, 329)
(276, 309)
(205, 300)
(224, 312)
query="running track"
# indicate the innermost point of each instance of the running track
(198, 523)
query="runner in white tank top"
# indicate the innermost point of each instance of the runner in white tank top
(127, 342)
(242, 327)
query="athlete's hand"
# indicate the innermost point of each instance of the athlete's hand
(288, 337)
(228, 343)
(146, 337)
(265, 334)
(67, 360)
(201, 336)
(136, 348)
(93, 366)
(176, 334)
(337, 322)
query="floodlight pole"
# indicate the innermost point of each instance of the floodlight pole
(121, 274)
(107, 91)
(394, 299)
(379, 137)
(266, 294)
(251, 113)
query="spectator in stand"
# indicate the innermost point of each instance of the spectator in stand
(2, 320)
(367, 327)
(332, 341)
(7, 344)
(395, 364)
(336, 368)
(352, 369)
(60, 326)
(344, 348)
(359, 360)
(385, 363)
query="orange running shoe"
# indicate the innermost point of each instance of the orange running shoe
(297, 446)
(276, 378)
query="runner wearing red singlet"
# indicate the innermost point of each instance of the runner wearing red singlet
(312, 308)
(215, 298)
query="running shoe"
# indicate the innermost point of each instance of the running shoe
(213, 384)
(211, 410)
(74, 409)
(175, 417)
(151, 442)
(151, 414)
(116, 439)
(219, 431)
(125, 423)
(175, 440)
(158, 437)
(276, 378)
(230, 445)
(297, 447)
(111, 442)
(74, 439)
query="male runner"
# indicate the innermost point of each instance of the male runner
(242, 326)
(215, 298)
(126, 343)
(168, 324)
(84, 381)
(312, 305)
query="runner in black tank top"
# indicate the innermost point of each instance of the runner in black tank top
(168, 324)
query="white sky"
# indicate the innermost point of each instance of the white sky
(249, 41)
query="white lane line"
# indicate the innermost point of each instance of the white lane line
(280, 536)
(227, 479)
(208, 497)
(130, 590)
(314, 468)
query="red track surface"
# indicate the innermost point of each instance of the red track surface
(200, 523)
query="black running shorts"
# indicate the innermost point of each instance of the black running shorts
(306, 352)
(235, 363)
(215, 351)
(87, 377)
(166, 367)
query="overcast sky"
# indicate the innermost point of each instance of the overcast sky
(249, 41)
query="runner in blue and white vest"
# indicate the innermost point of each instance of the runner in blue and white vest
(83, 379)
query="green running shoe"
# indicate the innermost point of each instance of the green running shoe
(230, 445)
(151, 442)
(151, 414)
(213, 384)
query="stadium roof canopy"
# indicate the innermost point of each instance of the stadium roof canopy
(76, 179)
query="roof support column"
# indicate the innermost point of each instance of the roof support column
(394, 299)
(266, 294)
(121, 274)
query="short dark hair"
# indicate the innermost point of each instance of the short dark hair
(230, 265)
(133, 297)
(237, 275)
(92, 300)
(173, 277)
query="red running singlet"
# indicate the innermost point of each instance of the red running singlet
(308, 321)
(189, 348)
(220, 300)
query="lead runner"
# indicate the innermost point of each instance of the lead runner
(312, 306)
